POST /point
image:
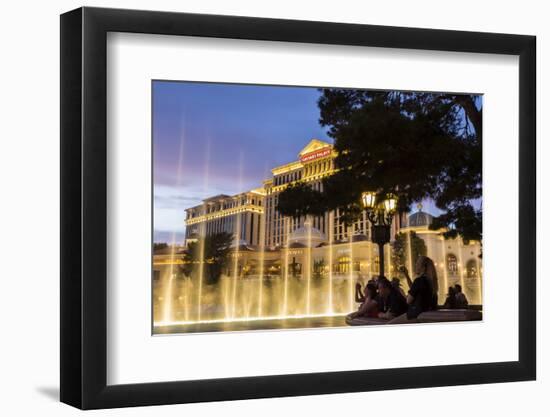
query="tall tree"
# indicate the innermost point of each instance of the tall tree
(215, 256)
(414, 145)
(400, 249)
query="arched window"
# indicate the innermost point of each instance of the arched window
(452, 264)
(471, 268)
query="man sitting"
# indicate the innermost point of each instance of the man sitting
(390, 301)
(461, 300)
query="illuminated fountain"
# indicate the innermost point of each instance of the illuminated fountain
(168, 293)
(285, 266)
(409, 254)
(201, 275)
(296, 281)
(235, 276)
(311, 275)
(350, 277)
(330, 306)
(202, 233)
(308, 267)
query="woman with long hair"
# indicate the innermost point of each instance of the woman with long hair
(422, 294)
(450, 301)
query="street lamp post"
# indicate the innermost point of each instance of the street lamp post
(380, 214)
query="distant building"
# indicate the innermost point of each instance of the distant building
(255, 212)
(243, 212)
(286, 246)
(456, 263)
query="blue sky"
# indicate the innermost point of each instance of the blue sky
(222, 138)
(213, 138)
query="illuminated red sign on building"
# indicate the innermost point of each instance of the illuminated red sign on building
(319, 153)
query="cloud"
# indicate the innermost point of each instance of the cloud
(170, 202)
(168, 237)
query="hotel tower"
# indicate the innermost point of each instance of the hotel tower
(254, 213)
(274, 244)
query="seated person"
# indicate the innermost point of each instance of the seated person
(450, 301)
(390, 301)
(396, 282)
(423, 291)
(369, 302)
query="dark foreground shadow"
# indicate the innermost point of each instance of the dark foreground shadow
(50, 392)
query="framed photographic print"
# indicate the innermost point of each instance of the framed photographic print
(250, 204)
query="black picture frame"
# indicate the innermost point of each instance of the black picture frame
(84, 207)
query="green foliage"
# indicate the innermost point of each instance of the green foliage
(413, 145)
(298, 200)
(216, 256)
(159, 246)
(400, 250)
(464, 220)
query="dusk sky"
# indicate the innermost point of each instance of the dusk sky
(211, 138)
(222, 138)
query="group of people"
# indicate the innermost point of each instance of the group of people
(455, 298)
(385, 299)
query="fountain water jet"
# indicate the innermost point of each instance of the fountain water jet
(330, 241)
(309, 267)
(478, 273)
(262, 261)
(285, 291)
(226, 287)
(445, 276)
(370, 260)
(350, 276)
(186, 300)
(235, 266)
(202, 233)
(387, 261)
(168, 295)
(410, 255)
(201, 271)
(237, 243)
(461, 269)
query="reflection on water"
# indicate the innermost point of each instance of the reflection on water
(262, 324)
(234, 303)
(296, 286)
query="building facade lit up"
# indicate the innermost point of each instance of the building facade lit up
(257, 209)
(323, 243)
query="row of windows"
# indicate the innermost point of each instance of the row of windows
(249, 224)
(286, 178)
(318, 168)
(212, 208)
(308, 170)
(276, 233)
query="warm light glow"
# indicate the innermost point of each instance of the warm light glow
(369, 199)
(222, 213)
(390, 203)
(245, 319)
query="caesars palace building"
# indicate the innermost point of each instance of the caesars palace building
(255, 212)
(253, 215)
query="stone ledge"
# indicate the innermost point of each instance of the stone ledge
(365, 321)
(436, 316)
(446, 315)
